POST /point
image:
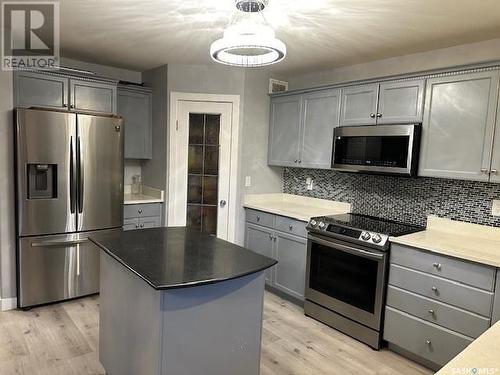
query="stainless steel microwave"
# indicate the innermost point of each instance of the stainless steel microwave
(380, 149)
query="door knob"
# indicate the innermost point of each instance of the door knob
(222, 203)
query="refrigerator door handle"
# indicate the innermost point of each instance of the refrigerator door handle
(72, 177)
(80, 176)
(58, 243)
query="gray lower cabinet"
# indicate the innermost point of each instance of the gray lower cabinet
(260, 240)
(135, 106)
(459, 115)
(289, 273)
(283, 239)
(284, 131)
(359, 105)
(91, 96)
(496, 304)
(40, 90)
(436, 305)
(142, 216)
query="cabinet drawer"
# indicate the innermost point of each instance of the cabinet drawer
(291, 226)
(149, 222)
(141, 210)
(443, 290)
(455, 269)
(131, 224)
(261, 218)
(436, 312)
(436, 344)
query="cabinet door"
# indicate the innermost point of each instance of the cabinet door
(131, 224)
(136, 110)
(260, 240)
(459, 119)
(284, 131)
(93, 96)
(496, 305)
(359, 105)
(291, 268)
(149, 222)
(40, 90)
(320, 115)
(495, 160)
(401, 102)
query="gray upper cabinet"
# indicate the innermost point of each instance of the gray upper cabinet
(40, 90)
(359, 105)
(320, 115)
(135, 106)
(495, 159)
(458, 126)
(91, 96)
(284, 130)
(401, 102)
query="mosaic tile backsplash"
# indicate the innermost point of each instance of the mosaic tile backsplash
(399, 198)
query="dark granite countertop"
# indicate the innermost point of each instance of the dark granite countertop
(179, 257)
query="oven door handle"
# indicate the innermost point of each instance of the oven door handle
(347, 249)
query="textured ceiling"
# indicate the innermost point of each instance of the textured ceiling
(142, 34)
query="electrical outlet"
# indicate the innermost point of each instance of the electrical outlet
(309, 183)
(495, 209)
(248, 181)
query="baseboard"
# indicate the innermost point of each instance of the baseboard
(8, 303)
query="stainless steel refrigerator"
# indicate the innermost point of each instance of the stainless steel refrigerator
(69, 184)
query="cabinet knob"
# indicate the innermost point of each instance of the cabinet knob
(437, 266)
(142, 225)
(139, 211)
(65, 105)
(379, 115)
(429, 342)
(484, 170)
(270, 237)
(434, 289)
(290, 226)
(372, 115)
(72, 106)
(296, 161)
(258, 218)
(300, 161)
(431, 311)
(494, 171)
(136, 226)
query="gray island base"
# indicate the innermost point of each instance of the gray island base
(206, 328)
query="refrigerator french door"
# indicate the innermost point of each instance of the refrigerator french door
(69, 169)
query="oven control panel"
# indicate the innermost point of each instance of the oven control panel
(362, 236)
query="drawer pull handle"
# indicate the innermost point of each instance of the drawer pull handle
(258, 218)
(290, 226)
(139, 210)
(437, 266)
(431, 311)
(429, 342)
(434, 289)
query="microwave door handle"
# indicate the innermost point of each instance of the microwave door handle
(81, 174)
(347, 249)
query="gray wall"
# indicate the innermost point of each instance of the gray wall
(436, 59)
(154, 171)
(7, 224)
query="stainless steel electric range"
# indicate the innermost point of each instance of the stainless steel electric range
(346, 274)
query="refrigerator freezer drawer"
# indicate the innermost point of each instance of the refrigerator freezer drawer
(54, 268)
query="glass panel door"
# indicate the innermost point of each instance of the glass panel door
(203, 172)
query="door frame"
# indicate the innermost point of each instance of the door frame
(172, 171)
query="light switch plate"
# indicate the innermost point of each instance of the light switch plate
(309, 183)
(248, 181)
(495, 209)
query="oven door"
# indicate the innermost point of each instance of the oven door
(347, 279)
(390, 149)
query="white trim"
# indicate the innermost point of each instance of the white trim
(8, 303)
(234, 188)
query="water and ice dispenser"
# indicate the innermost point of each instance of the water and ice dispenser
(42, 181)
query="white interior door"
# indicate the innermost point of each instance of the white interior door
(200, 167)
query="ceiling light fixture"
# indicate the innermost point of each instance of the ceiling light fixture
(248, 43)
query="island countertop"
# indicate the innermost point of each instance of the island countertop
(178, 257)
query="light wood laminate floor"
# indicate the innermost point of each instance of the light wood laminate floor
(63, 339)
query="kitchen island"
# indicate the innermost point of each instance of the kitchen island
(177, 301)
